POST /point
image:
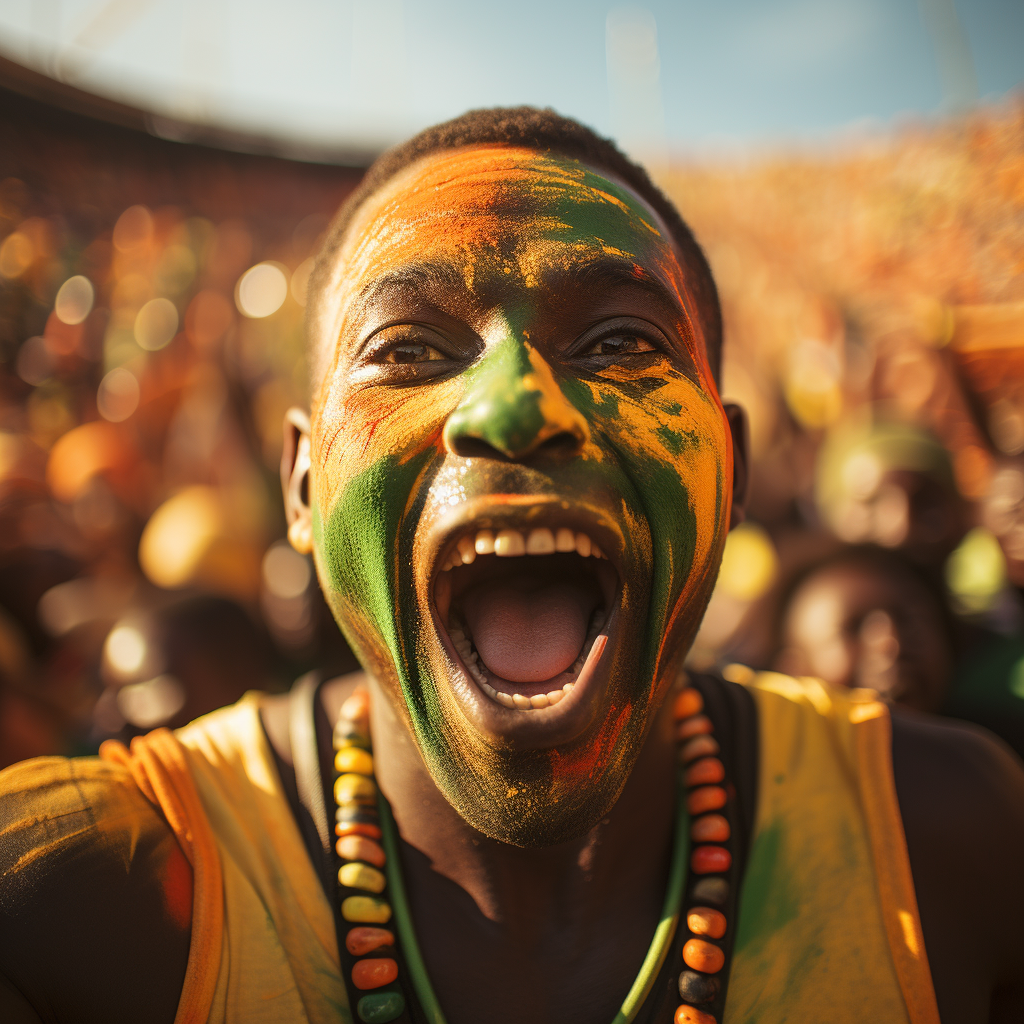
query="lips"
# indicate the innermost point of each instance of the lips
(524, 609)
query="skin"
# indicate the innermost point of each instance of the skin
(856, 625)
(563, 381)
(514, 929)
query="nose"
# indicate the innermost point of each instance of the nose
(514, 410)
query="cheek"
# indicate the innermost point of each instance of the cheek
(354, 429)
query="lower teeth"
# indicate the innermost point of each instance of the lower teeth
(464, 645)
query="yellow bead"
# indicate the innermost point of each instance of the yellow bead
(354, 759)
(358, 789)
(361, 876)
(365, 910)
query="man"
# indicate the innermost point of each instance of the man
(516, 482)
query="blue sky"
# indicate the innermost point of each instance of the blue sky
(731, 73)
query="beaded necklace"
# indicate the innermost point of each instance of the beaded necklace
(368, 841)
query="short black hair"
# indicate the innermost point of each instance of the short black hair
(546, 131)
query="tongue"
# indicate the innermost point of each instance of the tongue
(525, 632)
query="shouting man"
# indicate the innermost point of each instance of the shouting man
(516, 481)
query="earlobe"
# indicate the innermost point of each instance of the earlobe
(738, 427)
(295, 464)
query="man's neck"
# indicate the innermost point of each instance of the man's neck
(618, 867)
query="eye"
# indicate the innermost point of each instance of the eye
(619, 344)
(412, 352)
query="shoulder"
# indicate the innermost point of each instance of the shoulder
(93, 888)
(961, 797)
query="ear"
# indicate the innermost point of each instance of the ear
(295, 480)
(738, 427)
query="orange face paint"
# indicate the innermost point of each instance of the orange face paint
(495, 270)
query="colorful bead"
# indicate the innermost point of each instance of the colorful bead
(691, 1015)
(711, 890)
(380, 1007)
(706, 798)
(356, 814)
(374, 973)
(699, 725)
(698, 988)
(361, 940)
(361, 876)
(355, 789)
(688, 702)
(703, 956)
(354, 759)
(705, 921)
(355, 828)
(351, 734)
(711, 828)
(699, 746)
(357, 707)
(365, 910)
(360, 848)
(710, 860)
(706, 770)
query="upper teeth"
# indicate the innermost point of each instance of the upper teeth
(509, 543)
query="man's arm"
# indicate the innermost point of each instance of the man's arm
(961, 795)
(95, 898)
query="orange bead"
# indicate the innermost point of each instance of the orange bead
(688, 703)
(356, 828)
(705, 771)
(363, 940)
(710, 860)
(705, 921)
(706, 798)
(374, 973)
(361, 848)
(703, 956)
(357, 707)
(699, 746)
(712, 828)
(698, 725)
(691, 1015)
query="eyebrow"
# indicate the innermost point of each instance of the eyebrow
(414, 277)
(613, 272)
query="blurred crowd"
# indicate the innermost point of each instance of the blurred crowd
(151, 302)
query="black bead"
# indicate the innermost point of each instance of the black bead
(354, 814)
(695, 987)
(351, 733)
(713, 891)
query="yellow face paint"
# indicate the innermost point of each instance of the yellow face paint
(511, 340)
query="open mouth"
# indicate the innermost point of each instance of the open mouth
(526, 611)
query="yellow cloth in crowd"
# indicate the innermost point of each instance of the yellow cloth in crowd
(828, 930)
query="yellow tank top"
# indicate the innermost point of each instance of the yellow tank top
(828, 925)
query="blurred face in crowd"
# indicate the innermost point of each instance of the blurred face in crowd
(1003, 513)
(862, 625)
(517, 450)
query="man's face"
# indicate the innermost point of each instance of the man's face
(514, 375)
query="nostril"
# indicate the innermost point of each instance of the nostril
(562, 445)
(476, 448)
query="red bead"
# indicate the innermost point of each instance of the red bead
(356, 828)
(703, 956)
(691, 1015)
(711, 828)
(363, 940)
(707, 770)
(699, 746)
(705, 921)
(357, 707)
(688, 702)
(698, 725)
(374, 973)
(357, 847)
(706, 798)
(710, 860)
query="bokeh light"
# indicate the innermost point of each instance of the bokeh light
(118, 395)
(156, 324)
(262, 290)
(74, 300)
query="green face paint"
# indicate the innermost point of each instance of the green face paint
(515, 351)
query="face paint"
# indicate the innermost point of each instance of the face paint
(513, 347)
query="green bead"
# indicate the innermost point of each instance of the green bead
(380, 1007)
